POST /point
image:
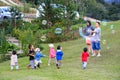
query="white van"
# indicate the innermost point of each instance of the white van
(5, 12)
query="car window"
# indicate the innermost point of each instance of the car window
(0, 11)
(6, 9)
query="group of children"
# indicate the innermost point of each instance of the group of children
(35, 57)
(92, 40)
(57, 55)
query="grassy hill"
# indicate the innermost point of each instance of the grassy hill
(106, 67)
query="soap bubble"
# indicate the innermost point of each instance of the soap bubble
(104, 41)
(50, 23)
(58, 31)
(44, 22)
(81, 33)
(104, 22)
(76, 18)
(113, 31)
(43, 38)
(111, 26)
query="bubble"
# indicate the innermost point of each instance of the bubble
(108, 47)
(111, 26)
(58, 31)
(104, 22)
(81, 33)
(76, 18)
(113, 31)
(49, 23)
(44, 22)
(104, 41)
(43, 38)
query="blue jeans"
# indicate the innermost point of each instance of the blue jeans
(84, 65)
(32, 64)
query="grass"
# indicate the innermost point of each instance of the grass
(106, 67)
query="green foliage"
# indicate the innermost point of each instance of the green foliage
(3, 43)
(106, 67)
(98, 9)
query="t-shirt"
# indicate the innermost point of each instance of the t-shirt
(59, 55)
(97, 35)
(87, 30)
(85, 56)
(38, 55)
(31, 57)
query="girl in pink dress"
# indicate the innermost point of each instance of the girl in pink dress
(52, 54)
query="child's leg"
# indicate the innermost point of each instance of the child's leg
(17, 67)
(32, 63)
(55, 60)
(84, 65)
(59, 63)
(90, 48)
(98, 48)
(39, 62)
(36, 63)
(49, 61)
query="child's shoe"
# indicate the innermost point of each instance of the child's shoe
(57, 66)
(84, 68)
(93, 54)
(38, 65)
(98, 55)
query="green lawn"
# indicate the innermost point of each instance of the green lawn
(106, 67)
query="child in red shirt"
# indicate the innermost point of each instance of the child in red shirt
(84, 58)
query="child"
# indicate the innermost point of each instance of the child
(31, 56)
(52, 54)
(84, 57)
(59, 55)
(14, 60)
(96, 40)
(38, 55)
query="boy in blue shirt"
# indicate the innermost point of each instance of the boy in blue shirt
(38, 56)
(59, 55)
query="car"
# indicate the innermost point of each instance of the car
(5, 13)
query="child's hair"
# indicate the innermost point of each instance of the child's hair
(37, 49)
(29, 46)
(85, 49)
(98, 23)
(58, 47)
(14, 52)
(51, 45)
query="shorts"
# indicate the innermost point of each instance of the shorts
(37, 62)
(88, 41)
(96, 45)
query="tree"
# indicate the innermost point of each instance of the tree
(64, 10)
